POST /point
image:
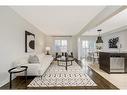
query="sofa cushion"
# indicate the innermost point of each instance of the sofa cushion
(40, 57)
(47, 59)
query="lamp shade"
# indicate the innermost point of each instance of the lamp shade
(99, 40)
(47, 48)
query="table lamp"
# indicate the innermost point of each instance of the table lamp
(47, 50)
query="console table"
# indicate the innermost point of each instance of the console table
(113, 62)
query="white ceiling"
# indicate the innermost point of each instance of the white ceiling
(59, 20)
(114, 23)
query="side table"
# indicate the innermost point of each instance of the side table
(18, 69)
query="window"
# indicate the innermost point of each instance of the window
(61, 45)
(85, 44)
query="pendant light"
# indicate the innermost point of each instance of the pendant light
(99, 38)
(99, 41)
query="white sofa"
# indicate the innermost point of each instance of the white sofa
(35, 69)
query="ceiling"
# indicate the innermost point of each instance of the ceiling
(113, 24)
(59, 20)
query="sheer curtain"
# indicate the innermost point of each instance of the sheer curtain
(60, 45)
(88, 48)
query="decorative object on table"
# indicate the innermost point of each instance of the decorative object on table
(113, 43)
(29, 42)
(18, 70)
(47, 50)
(99, 41)
(57, 76)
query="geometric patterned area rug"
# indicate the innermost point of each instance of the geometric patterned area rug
(57, 76)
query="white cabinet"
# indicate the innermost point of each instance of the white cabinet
(117, 64)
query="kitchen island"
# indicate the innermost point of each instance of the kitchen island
(113, 62)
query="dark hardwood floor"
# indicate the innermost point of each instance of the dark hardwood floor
(19, 82)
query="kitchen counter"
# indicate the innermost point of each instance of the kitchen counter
(113, 62)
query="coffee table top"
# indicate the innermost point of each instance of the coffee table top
(17, 69)
(63, 58)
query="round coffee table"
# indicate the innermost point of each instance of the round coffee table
(18, 69)
(66, 60)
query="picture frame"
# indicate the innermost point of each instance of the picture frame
(29, 42)
(113, 43)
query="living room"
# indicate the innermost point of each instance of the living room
(57, 47)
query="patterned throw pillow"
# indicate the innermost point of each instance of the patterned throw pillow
(33, 59)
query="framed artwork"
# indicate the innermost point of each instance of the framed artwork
(113, 43)
(29, 42)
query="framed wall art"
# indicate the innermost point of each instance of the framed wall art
(113, 43)
(29, 42)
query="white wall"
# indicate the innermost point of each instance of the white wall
(75, 46)
(89, 38)
(122, 40)
(12, 40)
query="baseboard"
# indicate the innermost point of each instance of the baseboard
(2, 83)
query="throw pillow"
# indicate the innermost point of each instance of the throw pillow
(33, 59)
